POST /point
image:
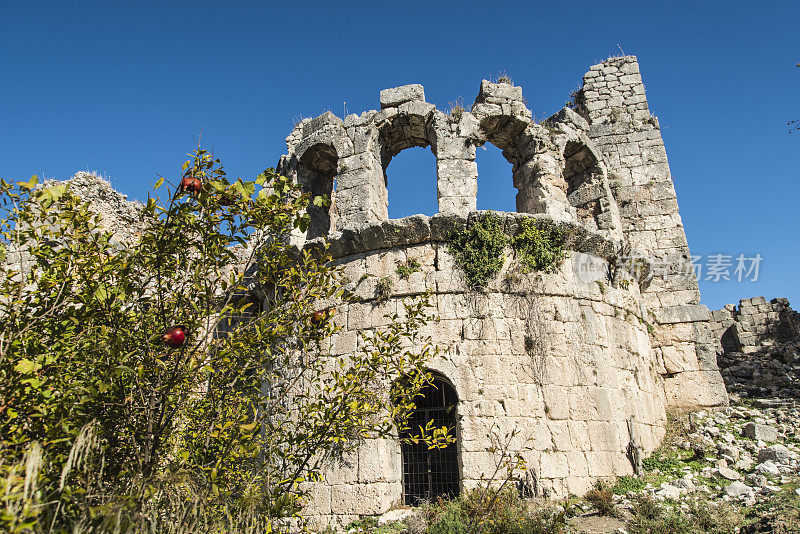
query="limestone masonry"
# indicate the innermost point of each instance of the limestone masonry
(582, 364)
(761, 347)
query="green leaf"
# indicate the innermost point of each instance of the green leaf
(26, 366)
(159, 183)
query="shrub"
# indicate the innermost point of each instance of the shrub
(602, 498)
(447, 517)
(539, 245)
(716, 518)
(702, 516)
(650, 517)
(105, 427)
(478, 249)
(492, 511)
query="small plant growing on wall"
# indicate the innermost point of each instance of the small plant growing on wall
(478, 249)
(503, 77)
(457, 109)
(539, 245)
(406, 268)
(383, 289)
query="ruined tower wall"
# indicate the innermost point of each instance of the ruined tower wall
(577, 364)
(755, 324)
(613, 102)
(565, 359)
(563, 362)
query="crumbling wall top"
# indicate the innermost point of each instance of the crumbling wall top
(556, 168)
(392, 98)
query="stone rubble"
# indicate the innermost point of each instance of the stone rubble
(742, 461)
(760, 347)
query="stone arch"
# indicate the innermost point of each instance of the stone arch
(431, 473)
(316, 172)
(523, 145)
(584, 184)
(409, 127)
(506, 133)
(404, 130)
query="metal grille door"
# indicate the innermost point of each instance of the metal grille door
(431, 473)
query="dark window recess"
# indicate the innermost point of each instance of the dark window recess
(431, 473)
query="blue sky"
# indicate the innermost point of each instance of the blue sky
(124, 88)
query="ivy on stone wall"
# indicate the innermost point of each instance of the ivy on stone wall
(478, 249)
(539, 245)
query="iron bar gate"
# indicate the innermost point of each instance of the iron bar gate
(431, 473)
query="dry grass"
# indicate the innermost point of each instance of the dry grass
(456, 109)
(602, 498)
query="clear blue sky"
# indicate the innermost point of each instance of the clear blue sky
(125, 87)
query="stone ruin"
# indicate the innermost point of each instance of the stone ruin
(582, 365)
(760, 347)
(755, 324)
(583, 362)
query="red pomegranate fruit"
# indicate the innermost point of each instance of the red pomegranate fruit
(191, 184)
(175, 336)
(320, 316)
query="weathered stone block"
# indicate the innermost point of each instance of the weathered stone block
(553, 465)
(491, 91)
(398, 95)
(761, 432)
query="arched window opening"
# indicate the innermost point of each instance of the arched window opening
(583, 178)
(315, 174)
(496, 189)
(411, 182)
(431, 473)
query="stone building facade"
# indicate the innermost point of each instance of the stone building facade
(580, 365)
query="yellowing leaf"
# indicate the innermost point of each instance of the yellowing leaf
(26, 366)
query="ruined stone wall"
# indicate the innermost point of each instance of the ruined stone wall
(612, 100)
(563, 358)
(117, 213)
(564, 362)
(761, 347)
(569, 361)
(557, 169)
(755, 324)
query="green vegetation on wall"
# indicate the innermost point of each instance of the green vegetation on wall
(407, 268)
(539, 245)
(478, 249)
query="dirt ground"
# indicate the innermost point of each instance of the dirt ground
(593, 524)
